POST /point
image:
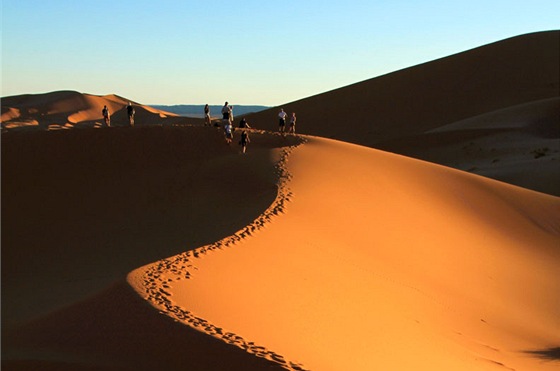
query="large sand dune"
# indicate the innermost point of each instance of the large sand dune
(361, 259)
(379, 262)
(399, 112)
(83, 208)
(161, 247)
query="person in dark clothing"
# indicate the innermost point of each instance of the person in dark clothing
(106, 116)
(243, 124)
(130, 111)
(244, 140)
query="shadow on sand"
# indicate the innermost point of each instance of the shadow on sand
(550, 354)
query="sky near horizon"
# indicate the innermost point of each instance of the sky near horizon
(246, 52)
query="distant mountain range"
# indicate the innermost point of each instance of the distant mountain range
(195, 110)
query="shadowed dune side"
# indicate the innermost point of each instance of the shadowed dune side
(118, 330)
(518, 145)
(398, 112)
(411, 101)
(82, 208)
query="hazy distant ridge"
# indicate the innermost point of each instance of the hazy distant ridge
(194, 110)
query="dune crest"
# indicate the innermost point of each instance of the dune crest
(401, 111)
(161, 247)
(70, 109)
(377, 253)
(152, 282)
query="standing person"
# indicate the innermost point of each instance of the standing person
(229, 132)
(244, 140)
(130, 111)
(231, 115)
(207, 120)
(243, 124)
(106, 117)
(282, 120)
(292, 128)
(226, 113)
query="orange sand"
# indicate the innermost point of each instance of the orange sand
(161, 247)
(379, 261)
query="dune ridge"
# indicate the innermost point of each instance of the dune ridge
(152, 282)
(71, 109)
(400, 111)
(441, 294)
(275, 267)
(408, 102)
(105, 202)
(161, 247)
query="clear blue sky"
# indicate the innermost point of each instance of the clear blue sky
(247, 52)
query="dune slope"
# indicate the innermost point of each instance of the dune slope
(376, 261)
(510, 72)
(70, 109)
(83, 208)
(398, 112)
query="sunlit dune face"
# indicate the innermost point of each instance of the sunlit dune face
(372, 253)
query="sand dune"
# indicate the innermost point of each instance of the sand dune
(360, 260)
(378, 262)
(398, 112)
(83, 208)
(161, 247)
(69, 109)
(518, 145)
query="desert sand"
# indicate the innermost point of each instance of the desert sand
(161, 247)
(401, 111)
(372, 274)
(71, 109)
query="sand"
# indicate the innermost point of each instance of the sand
(399, 112)
(70, 109)
(83, 208)
(161, 247)
(378, 261)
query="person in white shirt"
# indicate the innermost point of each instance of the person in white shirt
(229, 132)
(282, 120)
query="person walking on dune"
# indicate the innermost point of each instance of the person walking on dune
(106, 116)
(226, 113)
(292, 127)
(228, 128)
(130, 111)
(207, 119)
(282, 120)
(244, 140)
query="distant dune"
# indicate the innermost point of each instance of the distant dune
(70, 109)
(402, 111)
(160, 247)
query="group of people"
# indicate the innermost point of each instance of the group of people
(227, 123)
(282, 122)
(107, 116)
